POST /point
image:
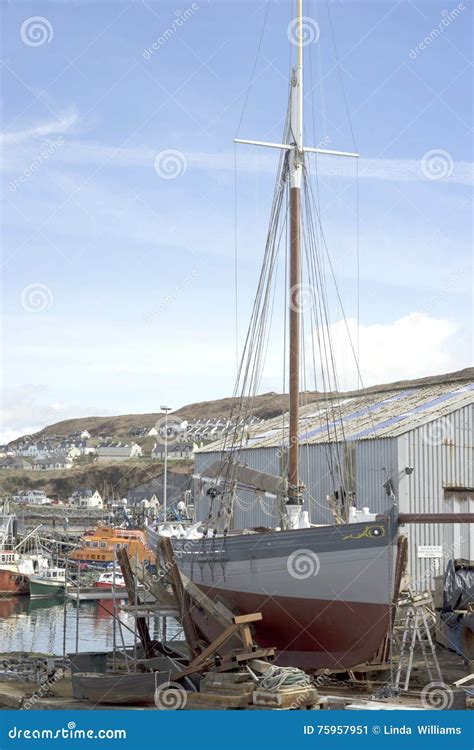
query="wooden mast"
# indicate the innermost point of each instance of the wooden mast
(296, 152)
(296, 168)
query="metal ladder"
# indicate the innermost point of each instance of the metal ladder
(416, 628)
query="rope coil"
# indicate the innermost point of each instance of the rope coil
(284, 677)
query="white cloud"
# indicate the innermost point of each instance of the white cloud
(249, 159)
(63, 124)
(413, 346)
(26, 409)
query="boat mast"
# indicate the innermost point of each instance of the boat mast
(296, 169)
(296, 151)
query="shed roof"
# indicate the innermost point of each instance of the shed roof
(364, 417)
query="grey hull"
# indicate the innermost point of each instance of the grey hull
(324, 592)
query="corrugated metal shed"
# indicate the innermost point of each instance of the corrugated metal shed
(366, 417)
(421, 438)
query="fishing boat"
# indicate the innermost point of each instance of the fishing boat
(110, 579)
(51, 583)
(17, 564)
(97, 548)
(325, 592)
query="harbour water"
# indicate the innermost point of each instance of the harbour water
(37, 625)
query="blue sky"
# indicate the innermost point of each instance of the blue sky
(118, 284)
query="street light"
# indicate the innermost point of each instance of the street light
(166, 409)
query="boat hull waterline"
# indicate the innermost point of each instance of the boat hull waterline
(13, 582)
(324, 593)
(46, 589)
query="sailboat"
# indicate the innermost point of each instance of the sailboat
(325, 592)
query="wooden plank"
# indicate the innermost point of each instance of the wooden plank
(463, 680)
(198, 662)
(259, 653)
(133, 598)
(226, 678)
(293, 698)
(178, 590)
(156, 586)
(234, 661)
(243, 688)
(247, 639)
(244, 619)
(214, 609)
(213, 699)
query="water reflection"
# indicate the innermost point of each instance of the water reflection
(37, 625)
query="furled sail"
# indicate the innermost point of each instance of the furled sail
(226, 472)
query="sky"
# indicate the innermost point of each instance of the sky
(126, 206)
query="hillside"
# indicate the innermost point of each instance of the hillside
(114, 478)
(266, 406)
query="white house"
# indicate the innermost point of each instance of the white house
(32, 497)
(175, 451)
(54, 463)
(34, 450)
(86, 498)
(143, 432)
(66, 448)
(80, 434)
(118, 452)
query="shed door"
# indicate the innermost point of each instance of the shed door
(460, 537)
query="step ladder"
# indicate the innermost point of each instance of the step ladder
(415, 610)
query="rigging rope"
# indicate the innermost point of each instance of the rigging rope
(315, 255)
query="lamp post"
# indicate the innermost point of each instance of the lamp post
(166, 409)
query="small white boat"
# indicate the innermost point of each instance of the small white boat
(110, 579)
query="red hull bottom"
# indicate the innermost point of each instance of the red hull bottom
(13, 583)
(309, 633)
